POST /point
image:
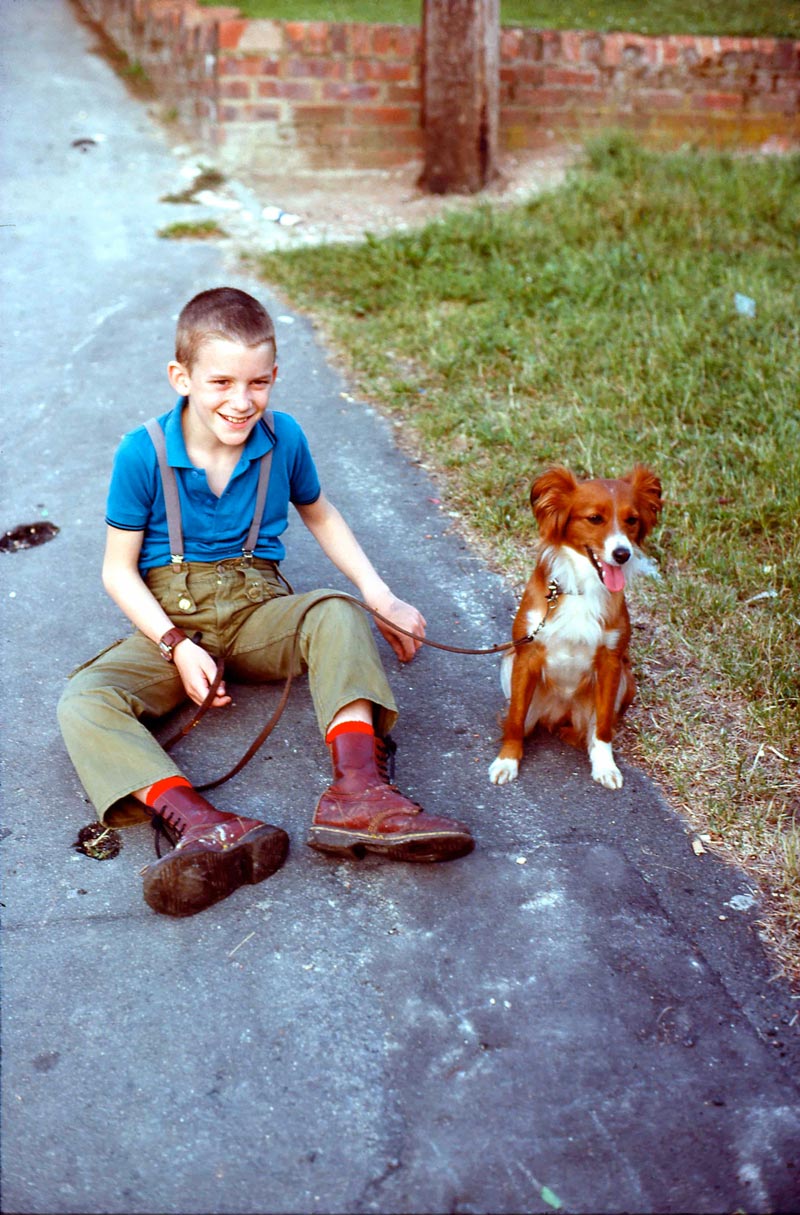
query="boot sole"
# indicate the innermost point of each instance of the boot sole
(416, 846)
(189, 880)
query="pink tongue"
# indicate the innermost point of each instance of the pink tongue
(613, 576)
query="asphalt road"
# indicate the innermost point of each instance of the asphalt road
(579, 1016)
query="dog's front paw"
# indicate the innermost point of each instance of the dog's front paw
(609, 778)
(501, 771)
(604, 770)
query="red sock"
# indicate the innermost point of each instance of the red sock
(349, 727)
(163, 786)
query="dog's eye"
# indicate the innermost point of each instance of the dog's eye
(595, 519)
(632, 520)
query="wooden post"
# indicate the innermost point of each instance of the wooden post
(461, 81)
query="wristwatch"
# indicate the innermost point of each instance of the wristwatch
(167, 644)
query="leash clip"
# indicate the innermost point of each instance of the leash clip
(553, 592)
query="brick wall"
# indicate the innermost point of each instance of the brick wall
(723, 91)
(314, 95)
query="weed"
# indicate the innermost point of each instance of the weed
(204, 229)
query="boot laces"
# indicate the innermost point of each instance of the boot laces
(385, 752)
(163, 830)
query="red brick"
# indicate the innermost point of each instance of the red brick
(249, 66)
(510, 43)
(592, 48)
(572, 46)
(398, 94)
(287, 90)
(234, 90)
(232, 113)
(551, 45)
(400, 41)
(670, 53)
(384, 115)
(612, 50)
(295, 33)
(336, 91)
(526, 73)
(786, 55)
(380, 69)
(316, 69)
(215, 12)
(569, 76)
(229, 33)
(659, 99)
(717, 101)
(359, 40)
(317, 115)
(776, 103)
(317, 37)
(544, 98)
(337, 39)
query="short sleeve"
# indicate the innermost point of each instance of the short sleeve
(304, 486)
(134, 483)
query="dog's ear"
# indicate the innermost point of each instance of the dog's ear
(647, 495)
(551, 501)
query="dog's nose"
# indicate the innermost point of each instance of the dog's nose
(621, 555)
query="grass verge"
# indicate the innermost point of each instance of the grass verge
(598, 326)
(779, 18)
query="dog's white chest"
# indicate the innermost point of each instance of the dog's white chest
(571, 638)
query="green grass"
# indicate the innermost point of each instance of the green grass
(596, 326)
(779, 18)
(202, 229)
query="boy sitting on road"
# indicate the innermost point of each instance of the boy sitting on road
(217, 592)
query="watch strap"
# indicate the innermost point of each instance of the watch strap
(169, 641)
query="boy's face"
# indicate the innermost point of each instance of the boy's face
(228, 389)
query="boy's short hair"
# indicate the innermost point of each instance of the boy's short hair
(222, 312)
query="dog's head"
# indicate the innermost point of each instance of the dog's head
(600, 519)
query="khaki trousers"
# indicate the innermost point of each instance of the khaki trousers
(247, 616)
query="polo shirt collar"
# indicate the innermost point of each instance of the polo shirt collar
(259, 441)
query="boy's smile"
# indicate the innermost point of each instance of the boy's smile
(228, 389)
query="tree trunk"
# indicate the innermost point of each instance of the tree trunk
(461, 58)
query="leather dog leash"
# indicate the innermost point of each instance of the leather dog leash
(553, 592)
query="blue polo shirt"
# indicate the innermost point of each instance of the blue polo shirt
(214, 529)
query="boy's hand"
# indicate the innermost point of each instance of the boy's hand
(197, 669)
(407, 617)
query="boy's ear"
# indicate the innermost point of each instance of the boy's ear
(179, 378)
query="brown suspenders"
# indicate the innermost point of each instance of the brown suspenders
(172, 500)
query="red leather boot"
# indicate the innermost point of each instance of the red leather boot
(362, 812)
(214, 853)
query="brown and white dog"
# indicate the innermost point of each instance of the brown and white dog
(575, 676)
